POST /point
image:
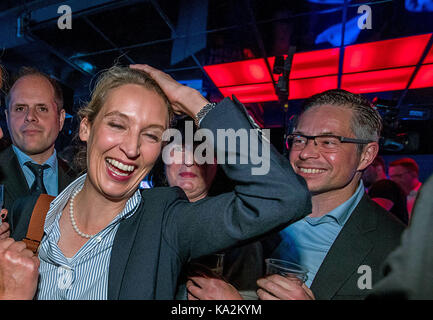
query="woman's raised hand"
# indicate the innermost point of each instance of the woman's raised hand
(182, 98)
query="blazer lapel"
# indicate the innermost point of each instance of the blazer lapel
(347, 252)
(15, 182)
(136, 249)
(120, 252)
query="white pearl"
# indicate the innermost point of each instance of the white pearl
(71, 215)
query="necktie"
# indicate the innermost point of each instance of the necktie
(38, 171)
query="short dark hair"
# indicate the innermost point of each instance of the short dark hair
(366, 122)
(30, 71)
(407, 163)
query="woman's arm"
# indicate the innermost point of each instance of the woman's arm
(267, 193)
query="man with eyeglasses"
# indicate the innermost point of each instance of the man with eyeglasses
(347, 236)
(405, 173)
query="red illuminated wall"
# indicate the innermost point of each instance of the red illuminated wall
(368, 67)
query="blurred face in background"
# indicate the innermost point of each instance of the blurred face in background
(194, 179)
(404, 177)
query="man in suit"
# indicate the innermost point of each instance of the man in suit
(35, 116)
(334, 140)
(405, 172)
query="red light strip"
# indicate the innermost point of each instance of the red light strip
(424, 77)
(368, 67)
(377, 81)
(385, 54)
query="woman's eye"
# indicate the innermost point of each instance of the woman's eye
(152, 137)
(116, 125)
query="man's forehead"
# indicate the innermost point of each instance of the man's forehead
(325, 119)
(33, 82)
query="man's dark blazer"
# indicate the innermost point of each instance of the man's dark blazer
(167, 231)
(15, 184)
(367, 238)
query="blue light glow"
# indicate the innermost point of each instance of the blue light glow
(419, 5)
(333, 34)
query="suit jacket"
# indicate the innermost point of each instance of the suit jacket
(15, 184)
(409, 268)
(367, 237)
(167, 231)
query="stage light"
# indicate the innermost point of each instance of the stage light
(377, 81)
(369, 67)
(419, 5)
(84, 65)
(237, 73)
(384, 54)
(333, 34)
(315, 63)
(251, 93)
(305, 88)
(424, 77)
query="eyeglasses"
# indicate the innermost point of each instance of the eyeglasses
(326, 142)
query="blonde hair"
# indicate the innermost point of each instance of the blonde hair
(113, 78)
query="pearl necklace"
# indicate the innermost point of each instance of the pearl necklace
(71, 215)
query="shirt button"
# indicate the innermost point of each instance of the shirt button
(98, 239)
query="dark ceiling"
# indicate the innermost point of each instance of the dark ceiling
(182, 36)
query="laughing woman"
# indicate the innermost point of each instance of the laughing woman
(104, 239)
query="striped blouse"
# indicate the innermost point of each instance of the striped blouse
(85, 275)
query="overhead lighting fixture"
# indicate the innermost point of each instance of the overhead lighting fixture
(368, 67)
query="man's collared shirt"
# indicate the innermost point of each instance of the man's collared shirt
(307, 241)
(411, 197)
(85, 275)
(51, 174)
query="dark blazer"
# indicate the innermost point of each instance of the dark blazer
(367, 237)
(167, 231)
(409, 268)
(15, 184)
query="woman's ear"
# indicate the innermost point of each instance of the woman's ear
(368, 155)
(84, 129)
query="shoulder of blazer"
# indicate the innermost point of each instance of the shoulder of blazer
(7, 155)
(385, 221)
(169, 193)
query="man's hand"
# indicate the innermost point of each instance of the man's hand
(276, 287)
(182, 98)
(202, 288)
(18, 271)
